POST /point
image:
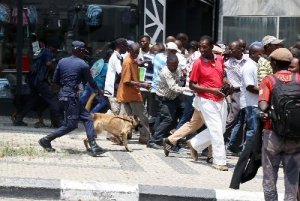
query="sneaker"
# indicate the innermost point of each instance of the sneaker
(178, 149)
(220, 167)
(194, 153)
(154, 146)
(230, 152)
(209, 160)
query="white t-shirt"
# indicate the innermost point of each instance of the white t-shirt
(181, 60)
(249, 77)
(113, 67)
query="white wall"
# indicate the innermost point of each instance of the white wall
(260, 7)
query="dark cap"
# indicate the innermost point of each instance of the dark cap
(281, 54)
(78, 44)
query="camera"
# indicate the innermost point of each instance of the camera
(225, 89)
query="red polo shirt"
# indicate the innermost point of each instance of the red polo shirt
(209, 75)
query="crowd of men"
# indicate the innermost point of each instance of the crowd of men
(208, 96)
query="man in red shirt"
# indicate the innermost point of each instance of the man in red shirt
(275, 148)
(207, 78)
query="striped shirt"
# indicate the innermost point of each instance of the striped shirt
(170, 84)
(233, 71)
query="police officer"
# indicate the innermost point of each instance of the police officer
(70, 72)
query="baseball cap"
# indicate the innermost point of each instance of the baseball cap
(281, 54)
(271, 40)
(172, 46)
(78, 44)
(217, 50)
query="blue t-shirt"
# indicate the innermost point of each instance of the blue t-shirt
(159, 61)
(98, 71)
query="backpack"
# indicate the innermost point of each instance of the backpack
(285, 108)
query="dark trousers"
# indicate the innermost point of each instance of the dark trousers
(274, 151)
(75, 112)
(167, 115)
(187, 111)
(42, 90)
(233, 118)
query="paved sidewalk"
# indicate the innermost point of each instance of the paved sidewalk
(144, 174)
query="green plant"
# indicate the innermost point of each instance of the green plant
(8, 149)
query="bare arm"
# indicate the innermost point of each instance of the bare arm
(252, 89)
(215, 91)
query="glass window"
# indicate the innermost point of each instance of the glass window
(289, 30)
(250, 28)
(60, 22)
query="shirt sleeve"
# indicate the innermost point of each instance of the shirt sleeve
(248, 76)
(265, 90)
(87, 77)
(126, 73)
(117, 65)
(195, 72)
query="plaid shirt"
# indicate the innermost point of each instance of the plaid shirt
(264, 69)
(170, 84)
(233, 71)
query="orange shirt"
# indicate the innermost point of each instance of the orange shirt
(126, 92)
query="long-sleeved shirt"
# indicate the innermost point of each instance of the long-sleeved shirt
(170, 85)
(69, 73)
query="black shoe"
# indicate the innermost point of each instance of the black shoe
(209, 160)
(167, 146)
(20, 123)
(46, 144)
(95, 149)
(154, 146)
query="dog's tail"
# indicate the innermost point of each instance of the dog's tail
(90, 102)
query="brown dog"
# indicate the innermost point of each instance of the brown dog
(119, 126)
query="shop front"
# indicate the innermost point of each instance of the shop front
(57, 22)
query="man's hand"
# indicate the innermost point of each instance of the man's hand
(263, 116)
(146, 85)
(217, 92)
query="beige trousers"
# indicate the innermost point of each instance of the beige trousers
(189, 127)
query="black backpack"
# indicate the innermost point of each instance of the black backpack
(285, 108)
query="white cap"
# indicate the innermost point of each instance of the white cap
(172, 46)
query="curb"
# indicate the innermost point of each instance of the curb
(51, 189)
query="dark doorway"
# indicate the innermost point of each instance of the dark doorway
(192, 17)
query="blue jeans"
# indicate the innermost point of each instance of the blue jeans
(252, 113)
(85, 94)
(188, 110)
(236, 129)
(101, 101)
